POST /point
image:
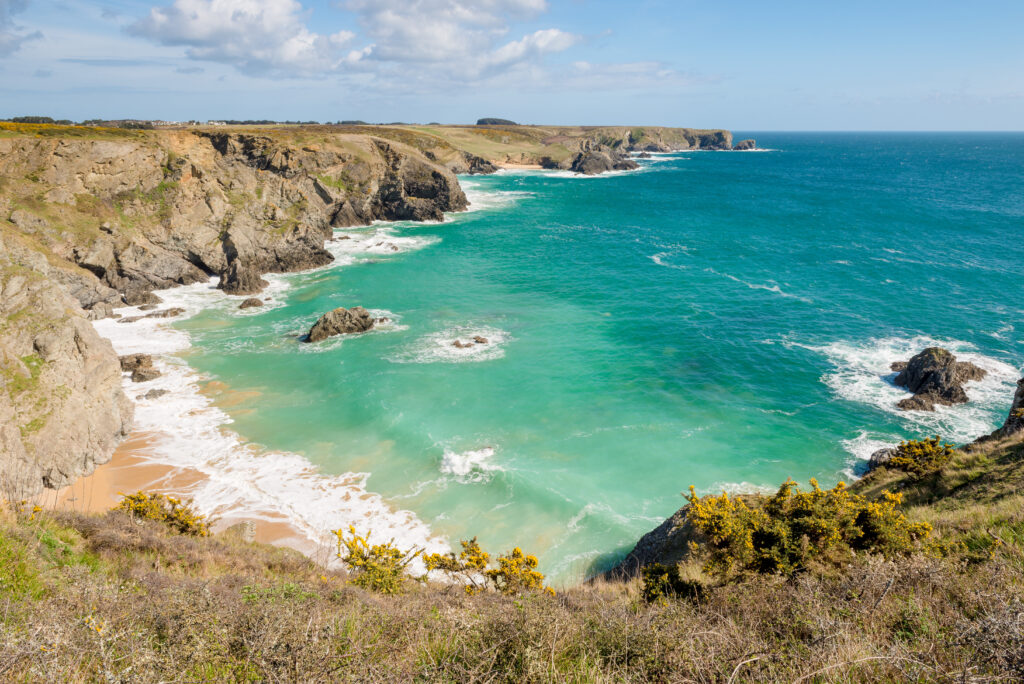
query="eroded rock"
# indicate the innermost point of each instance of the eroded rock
(250, 303)
(935, 377)
(340, 321)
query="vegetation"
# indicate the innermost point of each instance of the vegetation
(922, 457)
(793, 529)
(379, 567)
(178, 515)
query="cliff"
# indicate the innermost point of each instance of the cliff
(91, 218)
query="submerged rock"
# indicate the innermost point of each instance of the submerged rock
(250, 303)
(155, 394)
(163, 313)
(480, 340)
(748, 144)
(340, 322)
(935, 377)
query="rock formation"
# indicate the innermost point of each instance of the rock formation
(340, 322)
(600, 159)
(250, 303)
(748, 144)
(62, 409)
(669, 544)
(880, 457)
(935, 377)
(1013, 426)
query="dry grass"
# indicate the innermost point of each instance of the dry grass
(106, 598)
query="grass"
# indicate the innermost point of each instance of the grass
(107, 598)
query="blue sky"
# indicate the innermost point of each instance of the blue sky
(744, 65)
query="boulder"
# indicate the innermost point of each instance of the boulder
(241, 279)
(644, 155)
(250, 303)
(935, 377)
(459, 344)
(145, 374)
(480, 340)
(340, 322)
(132, 362)
(155, 394)
(748, 144)
(881, 457)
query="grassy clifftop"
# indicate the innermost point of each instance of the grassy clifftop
(108, 598)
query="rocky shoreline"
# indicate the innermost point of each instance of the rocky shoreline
(95, 219)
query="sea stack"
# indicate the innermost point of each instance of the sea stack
(935, 377)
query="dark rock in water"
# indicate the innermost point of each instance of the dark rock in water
(131, 362)
(881, 457)
(250, 303)
(600, 159)
(340, 322)
(145, 374)
(459, 344)
(644, 155)
(480, 340)
(935, 377)
(382, 319)
(155, 394)
(241, 279)
(147, 307)
(748, 144)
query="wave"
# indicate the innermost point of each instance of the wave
(440, 347)
(774, 288)
(862, 374)
(482, 199)
(240, 478)
(354, 246)
(473, 466)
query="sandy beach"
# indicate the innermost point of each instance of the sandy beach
(131, 469)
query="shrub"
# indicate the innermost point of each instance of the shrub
(793, 528)
(920, 458)
(379, 567)
(516, 571)
(660, 582)
(179, 515)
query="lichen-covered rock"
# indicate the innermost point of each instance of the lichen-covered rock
(935, 377)
(340, 321)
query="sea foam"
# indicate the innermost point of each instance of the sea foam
(241, 480)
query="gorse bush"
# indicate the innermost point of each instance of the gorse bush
(379, 567)
(792, 529)
(516, 571)
(173, 512)
(921, 457)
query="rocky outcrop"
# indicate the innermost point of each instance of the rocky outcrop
(748, 144)
(62, 409)
(251, 303)
(935, 377)
(173, 208)
(668, 544)
(600, 159)
(340, 321)
(881, 457)
(1013, 426)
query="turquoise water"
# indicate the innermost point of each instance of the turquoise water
(717, 319)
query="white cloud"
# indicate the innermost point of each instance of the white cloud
(11, 35)
(256, 36)
(422, 41)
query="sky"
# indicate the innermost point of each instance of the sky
(746, 65)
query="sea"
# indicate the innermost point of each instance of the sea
(724, 320)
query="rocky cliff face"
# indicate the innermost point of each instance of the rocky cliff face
(90, 222)
(62, 409)
(175, 208)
